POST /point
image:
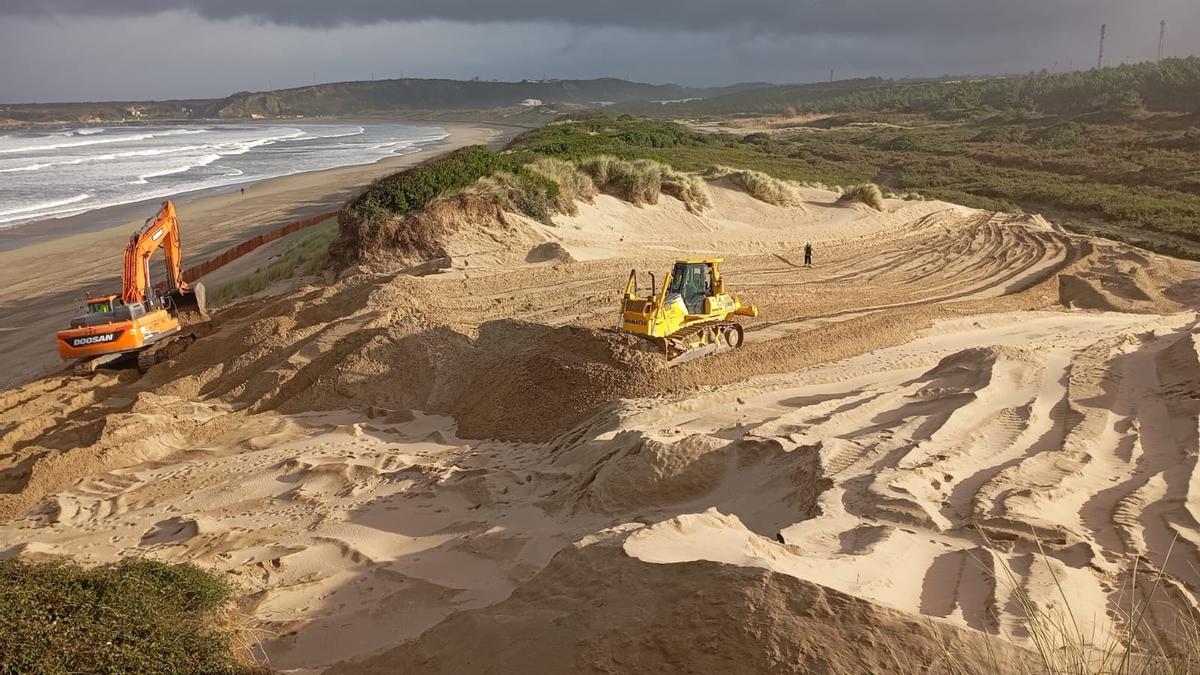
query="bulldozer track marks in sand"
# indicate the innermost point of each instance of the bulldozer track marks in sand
(956, 389)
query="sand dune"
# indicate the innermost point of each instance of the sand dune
(460, 448)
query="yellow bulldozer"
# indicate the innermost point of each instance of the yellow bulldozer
(690, 316)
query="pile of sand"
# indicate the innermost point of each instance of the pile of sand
(596, 609)
(365, 343)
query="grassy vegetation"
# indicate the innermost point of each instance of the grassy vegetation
(1171, 85)
(367, 223)
(530, 193)
(867, 193)
(1135, 179)
(305, 256)
(136, 616)
(758, 184)
(641, 181)
(1138, 643)
(573, 185)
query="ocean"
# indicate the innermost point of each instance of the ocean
(65, 172)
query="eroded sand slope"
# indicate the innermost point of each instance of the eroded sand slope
(911, 423)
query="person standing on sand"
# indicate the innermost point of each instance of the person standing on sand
(243, 192)
(808, 254)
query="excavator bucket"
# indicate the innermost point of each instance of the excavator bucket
(191, 302)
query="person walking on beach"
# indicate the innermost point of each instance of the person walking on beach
(808, 254)
(243, 192)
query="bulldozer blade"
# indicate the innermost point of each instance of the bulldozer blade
(194, 300)
(693, 354)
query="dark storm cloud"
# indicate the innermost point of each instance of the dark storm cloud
(797, 17)
(134, 49)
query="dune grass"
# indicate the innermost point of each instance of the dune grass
(759, 185)
(305, 257)
(1136, 180)
(573, 184)
(867, 193)
(136, 616)
(638, 181)
(688, 188)
(1138, 646)
(530, 193)
(641, 181)
(367, 222)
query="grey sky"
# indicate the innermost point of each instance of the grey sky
(121, 49)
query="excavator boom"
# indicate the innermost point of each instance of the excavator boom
(160, 231)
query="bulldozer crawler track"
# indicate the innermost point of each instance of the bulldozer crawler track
(682, 346)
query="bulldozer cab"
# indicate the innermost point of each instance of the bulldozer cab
(693, 283)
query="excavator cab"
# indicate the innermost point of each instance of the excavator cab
(105, 309)
(100, 305)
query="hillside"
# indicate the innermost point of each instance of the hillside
(1172, 85)
(102, 112)
(366, 97)
(1134, 179)
(346, 98)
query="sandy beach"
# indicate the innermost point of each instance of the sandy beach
(46, 267)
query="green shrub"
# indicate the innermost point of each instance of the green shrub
(662, 137)
(1065, 135)
(136, 616)
(904, 143)
(1188, 140)
(867, 193)
(524, 192)
(1000, 135)
(363, 221)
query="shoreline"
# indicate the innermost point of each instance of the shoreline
(24, 234)
(42, 278)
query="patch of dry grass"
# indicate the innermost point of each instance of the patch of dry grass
(687, 188)
(867, 193)
(1153, 634)
(641, 181)
(573, 184)
(759, 185)
(517, 193)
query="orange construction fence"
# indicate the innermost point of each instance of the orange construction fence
(193, 273)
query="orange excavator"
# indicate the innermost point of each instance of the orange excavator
(142, 321)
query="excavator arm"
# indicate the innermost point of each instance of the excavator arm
(160, 231)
